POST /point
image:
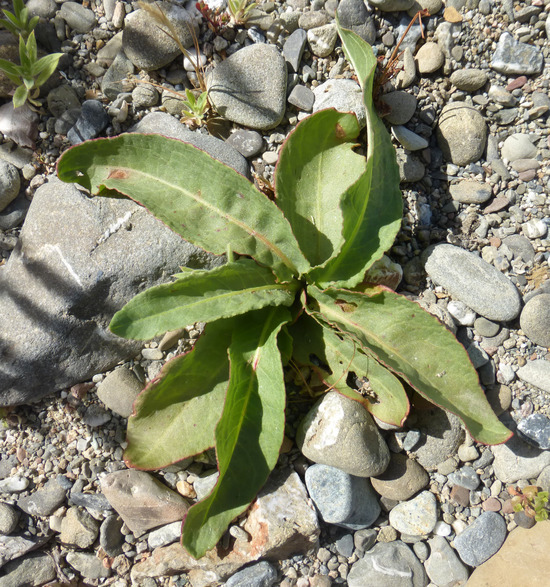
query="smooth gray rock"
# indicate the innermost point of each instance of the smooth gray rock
(66, 279)
(44, 501)
(119, 390)
(302, 97)
(411, 169)
(465, 477)
(535, 319)
(389, 564)
(481, 539)
(342, 499)
(461, 133)
(345, 95)
(89, 124)
(516, 460)
(32, 570)
(164, 124)
(9, 518)
(79, 18)
(293, 48)
(518, 146)
(110, 536)
(353, 15)
(10, 182)
(402, 107)
(415, 517)
(391, 5)
(249, 87)
(116, 77)
(535, 429)
(261, 574)
(469, 80)
(166, 535)
(513, 57)
(402, 479)
(88, 565)
(322, 40)
(408, 139)
(429, 58)
(521, 247)
(62, 99)
(339, 432)
(145, 43)
(142, 501)
(78, 528)
(470, 192)
(536, 373)
(43, 8)
(443, 566)
(248, 143)
(473, 281)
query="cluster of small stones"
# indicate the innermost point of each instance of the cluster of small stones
(492, 202)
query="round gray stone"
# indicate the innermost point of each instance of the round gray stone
(353, 15)
(79, 18)
(261, 574)
(429, 58)
(481, 539)
(408, 139)
(322, 40)
(461, 133)
(411, 169)
(389, 564)
(402, 107)
(536, 373)
(473, 281)
(416, 517)
(44, 501)
(516, 460)
(10, 182)
(78, 528)
(119, 390)
(469, 80)
(33, 569)
(470, 192)
(535, 319)
(518, 146)
(9, 517)
(249, 87)
(339, 432)
(402, 479)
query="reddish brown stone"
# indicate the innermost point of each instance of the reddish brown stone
(492, 505)
(517, 83)
(527, 175)
(460, 495)
(499, 203)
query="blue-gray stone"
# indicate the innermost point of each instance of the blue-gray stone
(535, 429)
(92, 120)
(388, 564)
(345, 545)
(513, 57)
(443, 566)
(481, 539)
(44, 501)
(259, 575)
(293, 48)
(342, 499)
(465, 477)
(91, 501)
(353, 15)
(249, 143)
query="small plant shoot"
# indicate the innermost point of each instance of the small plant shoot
(293, 288)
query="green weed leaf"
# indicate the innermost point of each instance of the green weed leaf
(201, 296)
(200, 198)
(250, 432)
(438, 367)
(316, 166)
(189, 390)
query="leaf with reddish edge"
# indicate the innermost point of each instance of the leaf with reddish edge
(321, 348)
(391, 327)
(175, 416)
(250, 432)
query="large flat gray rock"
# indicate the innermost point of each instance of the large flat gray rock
(77, 262)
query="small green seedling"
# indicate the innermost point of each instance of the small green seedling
(297, 289)
(31, 74)
(196, 107)
(530, 500)
(17, 22)
(240, 10)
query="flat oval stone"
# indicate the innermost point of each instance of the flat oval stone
(473, 281)
(471, 192)
(402, 479)
(481, 539)
(249, 87)
(469, 80)
(461, 133)
(535, 319)
(417, 516)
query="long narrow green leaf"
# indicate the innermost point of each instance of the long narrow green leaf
(439, 368)
(372, 208)
(334, 355)
(10, 69)
(201, 296)
(316, 166)
(198, 197)
(250, 432)
(175, 416)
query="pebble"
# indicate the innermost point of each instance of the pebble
(392, 564)
(35, 569)
(165, 535)
(344, 95)
(535, 228)
(322, 40)
(417, 516)
(465, 477)
(110, 536)
(302, 97)
(481, 539)
(443, 566)
(249, 143)
(461, 133)
(79, 18)
(535, 319)
(518, 460)
(78, 528)
(342, 499)
(10, 183)
(486, 327)
(354, 15)
(402, 479)
(461, 314)
(410, 168)
(408, 139)
(535, 430)
(261, 574)
(88, 565)
(429, 58)
(257, 72)
(470, 192)
(9, 517)
(92, 120)
(536, 373)
(512, 57)
(119, 390)
(293, 48)
(518, 146)
(339, 432)
(469, 80)
(44, 501)
(116, 77)
(14, 484)
(402, 107)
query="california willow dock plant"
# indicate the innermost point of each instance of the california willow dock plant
(297, 289)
